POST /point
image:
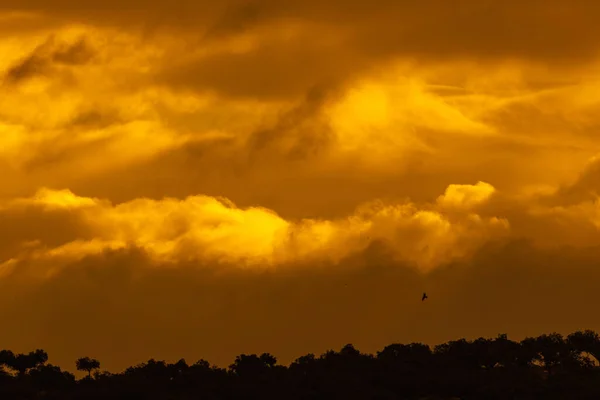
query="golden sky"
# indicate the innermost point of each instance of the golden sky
(202, 179)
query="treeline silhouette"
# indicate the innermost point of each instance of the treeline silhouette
(549, 366)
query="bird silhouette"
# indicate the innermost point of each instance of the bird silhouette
(424, 296)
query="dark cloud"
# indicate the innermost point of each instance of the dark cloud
(124, 308)
(62, 151)
(291, 175)
(438, 29)
(340, 39)
(273, 71)
(45, 57)
(21, 225)
(532, 28)
(235, 19)
(31, 66)
(129, 13)
(95, 119)
(301, 131)
(586, 187)
(14, 23)
(77, 53)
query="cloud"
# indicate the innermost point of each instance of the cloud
(207, 228)
(49, 55)
(466, 196)
(432, 28)
(586, 187)
(299, 132)
(384, 120)
(277, 51)
(76, 74)
(125, 308)
(53, 199)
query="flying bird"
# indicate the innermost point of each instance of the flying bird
(424, 296)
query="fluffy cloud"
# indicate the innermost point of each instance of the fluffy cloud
(215, 230)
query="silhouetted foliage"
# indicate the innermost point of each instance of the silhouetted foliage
(21, 363)
(87, 364)
(549, 366)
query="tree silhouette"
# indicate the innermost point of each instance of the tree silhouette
(586, 343)
(51, 377)
(87, 364)
(21, 363)
(549, 366)
(7, 358)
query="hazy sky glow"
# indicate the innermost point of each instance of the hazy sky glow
(206, 178)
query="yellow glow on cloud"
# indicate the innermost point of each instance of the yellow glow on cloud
(379, 118)
(13, 138)
(202, 227)
(466, 196)
(384, 116)
(13, 49)
(134, 116)
(60, 199)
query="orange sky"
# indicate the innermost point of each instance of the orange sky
(201, 179)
